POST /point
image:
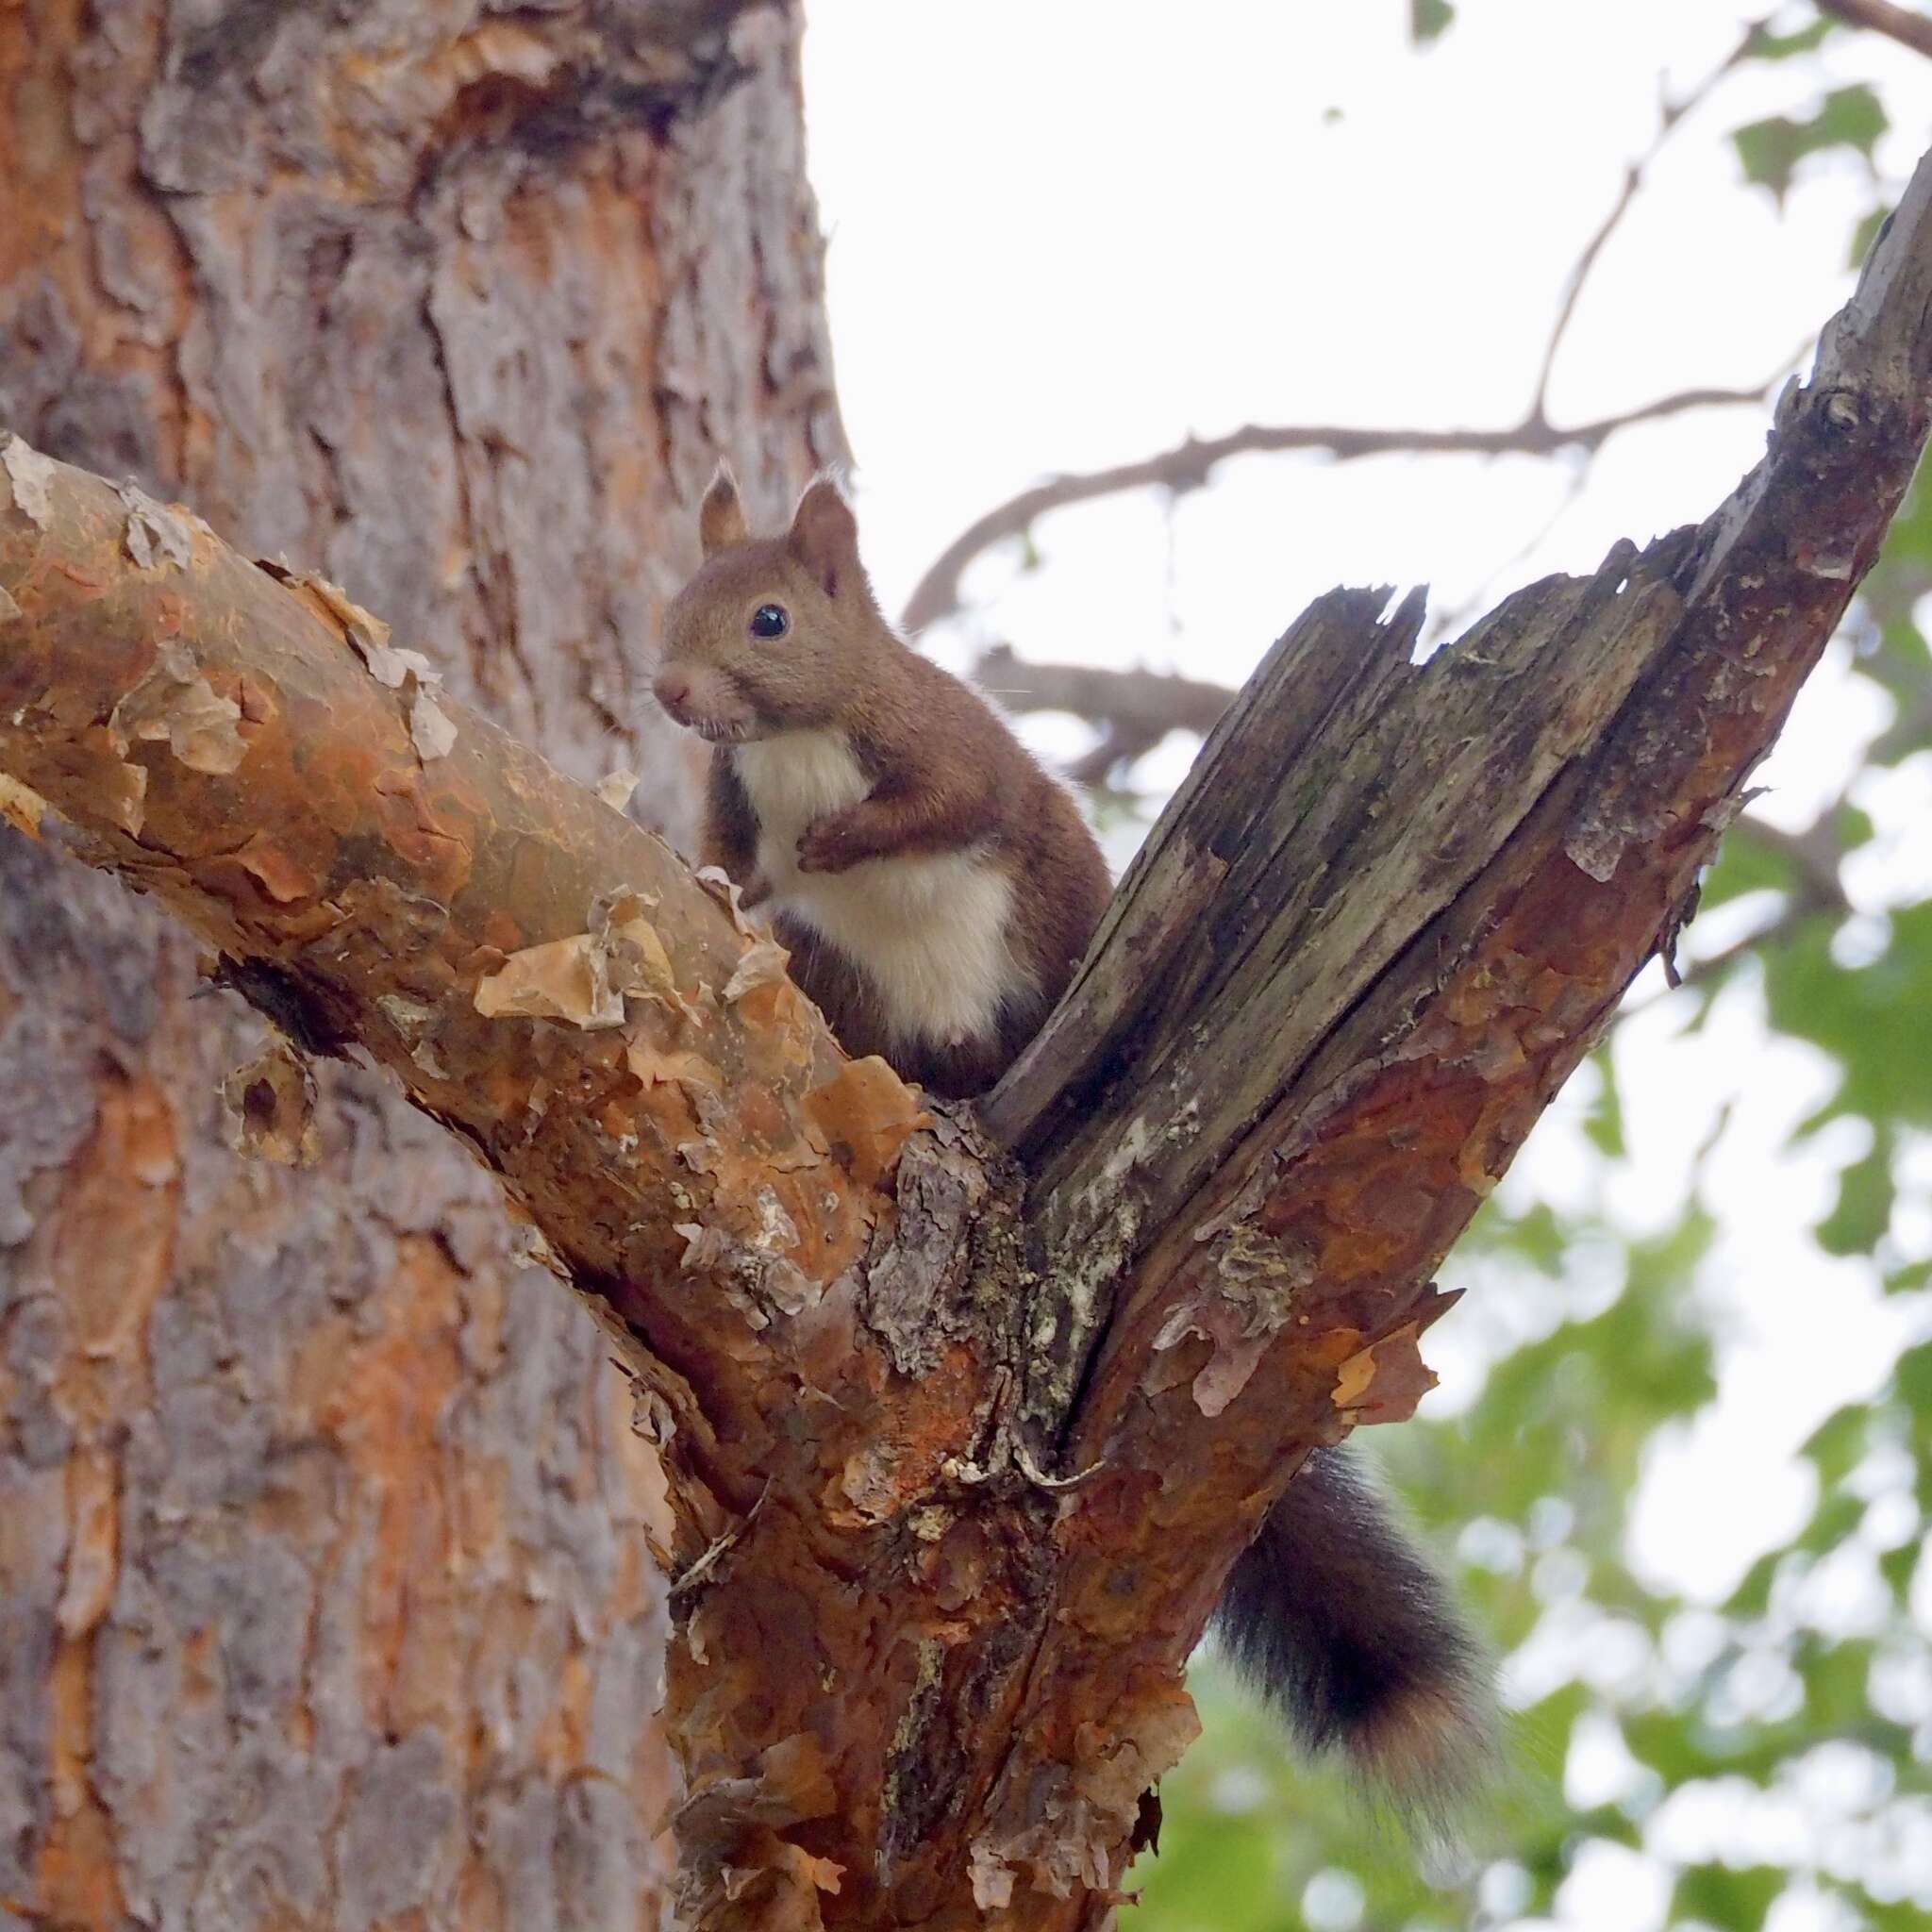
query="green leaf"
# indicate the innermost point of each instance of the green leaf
(1897, 1566)
(1837, 1446)
(1723, 1896)
(1866, 1018)
(1891, 1915)
(1427, 18)
(1863, 1213)
(1604, 1125)
(1834, 1519)
(1746, 862)
(1909, 1279)
(1865, 235)
(1766, 46)
(1770, 150)
(1836, 1681)
(1852, 827)
(1912, 1378)
(1751, 1597)
(1535, 1234)
(1851, 117)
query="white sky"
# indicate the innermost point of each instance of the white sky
(1066, 233)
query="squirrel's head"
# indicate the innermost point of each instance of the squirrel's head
(771, 634)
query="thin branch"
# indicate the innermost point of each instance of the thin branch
(1137, 701)
(1671, 114)
(1907, 732)
(1187, 465)
(1814, 854)
(1900, 24)
(937, 594)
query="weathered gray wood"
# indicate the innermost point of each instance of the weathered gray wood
(1343, 803)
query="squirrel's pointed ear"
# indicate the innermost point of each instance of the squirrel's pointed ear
(825, 536)
(721, 516)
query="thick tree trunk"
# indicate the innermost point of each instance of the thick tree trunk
(323, 1600)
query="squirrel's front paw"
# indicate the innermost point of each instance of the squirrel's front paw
(825, 848)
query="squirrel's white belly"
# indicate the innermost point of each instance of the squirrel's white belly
(929, 931)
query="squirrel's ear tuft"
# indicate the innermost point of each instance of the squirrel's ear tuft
(825, 536)
(721, 516)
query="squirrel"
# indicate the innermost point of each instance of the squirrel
(935, 887)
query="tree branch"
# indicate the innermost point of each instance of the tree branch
(1133, 709)
(545, 978)
(1393, 907)
(1671, 113)
(1187, 465)
(909, 1681)
(1900, 24)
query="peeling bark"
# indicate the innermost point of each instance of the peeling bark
(325, 1590)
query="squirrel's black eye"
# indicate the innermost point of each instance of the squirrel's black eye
(770, 621)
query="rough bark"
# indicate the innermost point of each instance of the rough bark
(324, 1599)
(917, 1678)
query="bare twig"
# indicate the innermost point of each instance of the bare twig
(1901, 23)
(1187, 467)
(1671, 114)
(1158, 700)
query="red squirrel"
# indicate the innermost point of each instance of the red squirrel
(937, 887)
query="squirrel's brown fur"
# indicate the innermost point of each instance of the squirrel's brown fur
(937, 888)
(934, 883)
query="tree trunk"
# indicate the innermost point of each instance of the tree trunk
(323, 1600)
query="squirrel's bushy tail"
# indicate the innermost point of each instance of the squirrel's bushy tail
(1339, 1618)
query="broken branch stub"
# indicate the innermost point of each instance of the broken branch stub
(1353, 806)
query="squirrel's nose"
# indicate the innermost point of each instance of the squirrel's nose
(672, 689)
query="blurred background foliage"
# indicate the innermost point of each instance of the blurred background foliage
(1682, 1756)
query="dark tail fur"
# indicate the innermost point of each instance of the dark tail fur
(1339, 1618)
